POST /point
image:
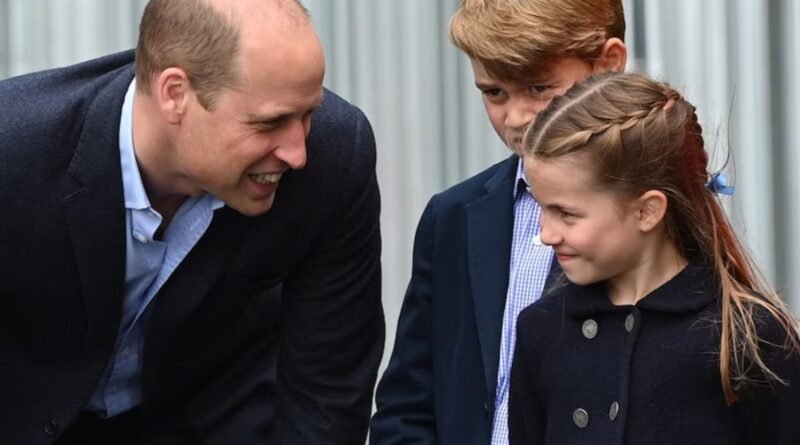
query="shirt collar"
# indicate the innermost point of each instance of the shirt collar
(132, 186)
(521, 180)
(689, 291)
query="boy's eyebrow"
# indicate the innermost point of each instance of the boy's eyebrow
(483, 85)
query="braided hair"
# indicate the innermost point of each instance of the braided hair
(641, 135)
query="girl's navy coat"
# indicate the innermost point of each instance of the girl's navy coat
(589, 372)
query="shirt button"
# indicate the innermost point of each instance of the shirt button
(139, 237)
(581, 418)
(50, 427)
(589, 329)
(613, 411)
(629, 322)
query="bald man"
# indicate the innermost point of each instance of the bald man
(190, 248)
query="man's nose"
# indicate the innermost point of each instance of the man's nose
(292, 146)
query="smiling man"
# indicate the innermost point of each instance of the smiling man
(190, 251)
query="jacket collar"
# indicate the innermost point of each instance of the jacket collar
(690, 290)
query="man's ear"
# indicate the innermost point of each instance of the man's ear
(613, 56)
(172, 92)
(651, 209)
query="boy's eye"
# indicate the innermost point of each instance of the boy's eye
(539, 89)
(492, 92)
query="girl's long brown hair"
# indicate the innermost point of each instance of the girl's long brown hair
(643, 135)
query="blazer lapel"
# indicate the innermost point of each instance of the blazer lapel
(95, 214)
(490, 225)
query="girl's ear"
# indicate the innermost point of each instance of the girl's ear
(613, 56)
(652, 206)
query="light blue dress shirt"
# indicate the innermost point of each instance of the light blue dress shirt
(529, 268)
(148, 265)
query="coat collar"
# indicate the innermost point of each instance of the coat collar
(690, 290)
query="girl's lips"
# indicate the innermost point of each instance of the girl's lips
(564, 257)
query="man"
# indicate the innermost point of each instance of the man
(188, 255)
(478, 260)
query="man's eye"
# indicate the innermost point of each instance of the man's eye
(268, 125)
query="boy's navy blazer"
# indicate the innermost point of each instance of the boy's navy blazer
(439, 387)
(270, 329)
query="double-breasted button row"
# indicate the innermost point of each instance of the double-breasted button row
(590, 328)
(580, 417)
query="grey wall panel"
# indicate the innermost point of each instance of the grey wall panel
(393, 59)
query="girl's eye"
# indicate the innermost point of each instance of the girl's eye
(566, 215)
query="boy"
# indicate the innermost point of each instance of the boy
(477, 257)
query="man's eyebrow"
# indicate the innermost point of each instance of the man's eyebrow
(261, 119)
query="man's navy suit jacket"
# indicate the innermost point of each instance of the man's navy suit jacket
(270, 330)
(439, 387)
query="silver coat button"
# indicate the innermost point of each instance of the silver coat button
(629, 322)
(589, 329)
(581, 418)
(613, 411)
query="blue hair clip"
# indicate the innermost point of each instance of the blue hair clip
(718, 184)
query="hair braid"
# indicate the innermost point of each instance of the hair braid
(643, 135)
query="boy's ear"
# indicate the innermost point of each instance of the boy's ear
(613, 56)
(652, 207)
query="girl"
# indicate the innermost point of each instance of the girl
(665, 333)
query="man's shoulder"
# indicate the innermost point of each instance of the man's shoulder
(335, 111)
(45, 96)
(64, 77)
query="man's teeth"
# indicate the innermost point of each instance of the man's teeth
(267, 178)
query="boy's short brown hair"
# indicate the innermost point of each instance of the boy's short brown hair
(514, 39)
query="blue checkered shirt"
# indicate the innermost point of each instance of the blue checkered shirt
(528, 271)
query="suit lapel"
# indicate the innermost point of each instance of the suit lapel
(490, 225)
(95, 214)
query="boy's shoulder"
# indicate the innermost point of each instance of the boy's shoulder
(499, 175)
